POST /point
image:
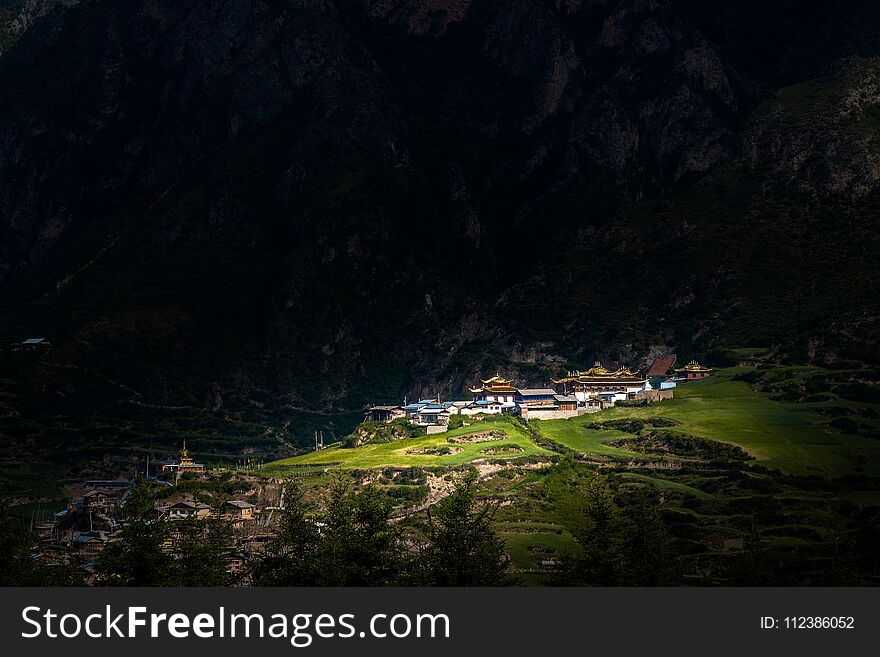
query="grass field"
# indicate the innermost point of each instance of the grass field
(788, 436)
(667, 484)
(527, 550)
(785, 435)
(397, 453)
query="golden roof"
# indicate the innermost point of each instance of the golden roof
(497, 379)
(496, 383)
(601, 373)
(694, 366)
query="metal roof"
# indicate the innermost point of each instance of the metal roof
(661, 366)
(535, 392)
(189, 505)
(83, 539)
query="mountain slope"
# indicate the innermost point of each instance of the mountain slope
(242, 216)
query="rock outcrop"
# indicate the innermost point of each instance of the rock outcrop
(822, 135)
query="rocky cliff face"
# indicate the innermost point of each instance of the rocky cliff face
(17, 16)
(293, 208)
(822, 135)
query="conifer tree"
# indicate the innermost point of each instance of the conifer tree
(360, 545)
(647, 546)
(464, 550)
(201, 553)
(289, 558)
(138, 557)
(16, 546)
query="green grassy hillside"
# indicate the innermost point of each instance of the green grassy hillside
(794, 437)
(421, 451)
(790, 436)
(761, 475)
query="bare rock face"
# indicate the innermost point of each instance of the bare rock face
(425, 17)
(821, 135)
(31, 11)
(529, 43)
(193, 78)
(634, 100)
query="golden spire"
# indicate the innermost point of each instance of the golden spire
(183, 456)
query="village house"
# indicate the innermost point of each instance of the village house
(546, 404)
(655, 396)
(184, 510)
(255, 543)
(239, 512)
(478, 407)
(384, 413)
(108, 484)
(434, 417)
(412, 409)
(536, 397)
(47, 530)
(495, 395)
(31, 344)
(594, 405)
(660, 373)
(89, 544)
(566, 402)
(102, 500)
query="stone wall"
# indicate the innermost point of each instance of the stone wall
(654, 396)
(531, 414)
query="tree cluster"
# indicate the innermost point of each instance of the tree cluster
(22, 563)
(629, 547)
(356, 543)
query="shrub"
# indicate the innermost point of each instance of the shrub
(750, 378)
(722, 357)
(859, 392)
(633, 425)
(845, 425)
